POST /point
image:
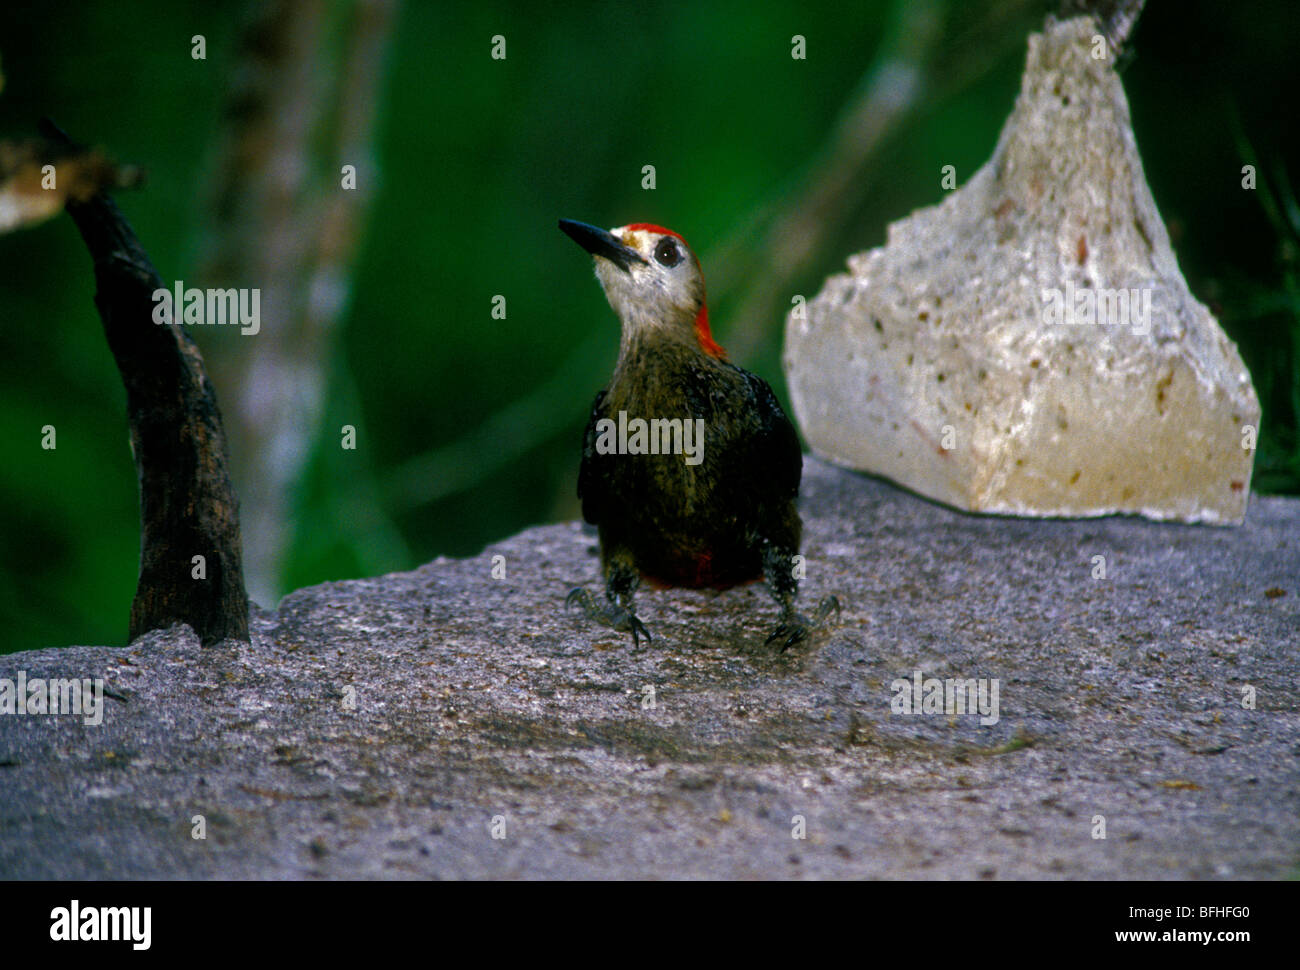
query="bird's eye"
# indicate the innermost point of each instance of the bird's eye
(667, 253)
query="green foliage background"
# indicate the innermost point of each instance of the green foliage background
(478, 159)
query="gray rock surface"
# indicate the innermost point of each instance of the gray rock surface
(478, 697)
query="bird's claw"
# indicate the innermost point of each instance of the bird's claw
(828, 605)
(795, 627)
(580, 596)
(609, 614)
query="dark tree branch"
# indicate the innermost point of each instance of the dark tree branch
(187, 505)
(1116, 17)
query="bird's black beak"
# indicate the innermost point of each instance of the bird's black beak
(598, 242)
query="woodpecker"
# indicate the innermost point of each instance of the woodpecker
(721, 515)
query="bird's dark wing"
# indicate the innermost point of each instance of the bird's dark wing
(773, 456)
(592, 487)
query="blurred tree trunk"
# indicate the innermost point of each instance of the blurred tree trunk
(924, 58)
(303, 93)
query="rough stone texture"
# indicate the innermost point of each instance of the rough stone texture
(478, 697)
(936, 361)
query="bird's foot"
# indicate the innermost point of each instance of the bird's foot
(795, 627)
(608, 614)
